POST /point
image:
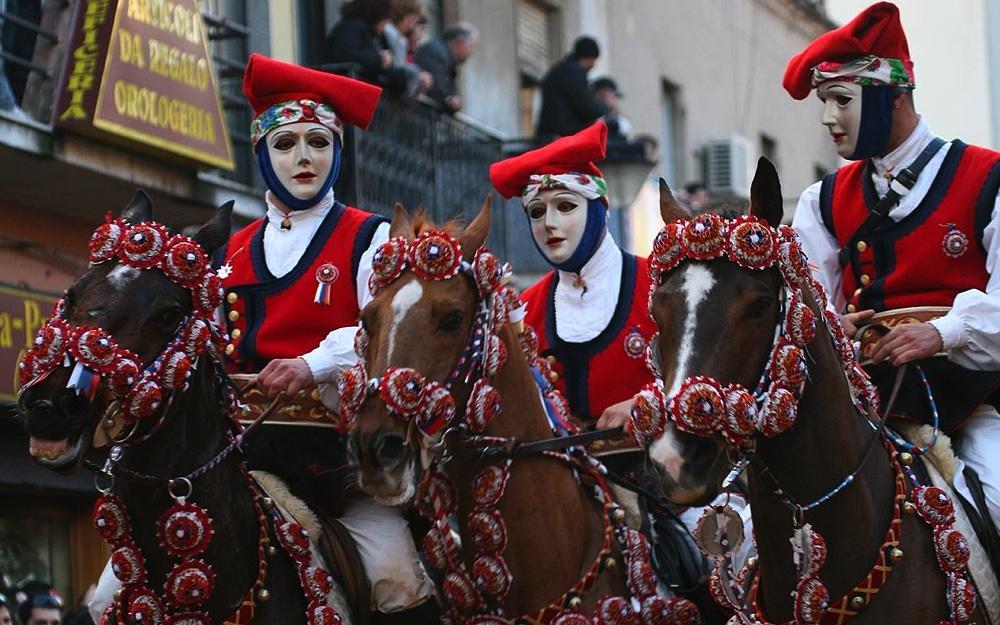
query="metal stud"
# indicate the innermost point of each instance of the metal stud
(895, 554)
(268, 503)
(752, 563)
(608, 563)
(908, 507)
(857, 602)
(263, 594)
(618, 514)
(906, 458)
(573, 602)
(272, 551)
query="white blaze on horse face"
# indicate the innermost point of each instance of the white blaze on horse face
(558, 218)
(841, 113)
(121, 276)
(404, 299)
(301, 155)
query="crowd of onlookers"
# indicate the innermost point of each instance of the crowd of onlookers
(37, 603)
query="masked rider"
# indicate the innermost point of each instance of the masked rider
(911, 221)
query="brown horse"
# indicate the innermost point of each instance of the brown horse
(718, 319)
(555, 530)
(143, 310)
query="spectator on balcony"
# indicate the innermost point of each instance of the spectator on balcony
(405, 16)
(605, 90)
(358, 38)
(442, 57)
(415, 38)
(568, 106)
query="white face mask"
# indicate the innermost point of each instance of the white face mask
(301, 155)
(558, 220)
(841, 113)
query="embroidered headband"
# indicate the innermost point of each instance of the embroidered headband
(867, 71)
(293, 112)
(588, 186)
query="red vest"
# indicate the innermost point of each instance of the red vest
(611, 367)
(932, 254)
(272, 317)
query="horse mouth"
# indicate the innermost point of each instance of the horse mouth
(58, 455)
(390, 488)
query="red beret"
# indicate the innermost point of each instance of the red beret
(876, 31)
(573, 154)
(267, 82)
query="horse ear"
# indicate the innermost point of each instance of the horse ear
(670, 208)
(215, 233)
(139, 209)
(765, 194)
(475, 234)
(400, 225)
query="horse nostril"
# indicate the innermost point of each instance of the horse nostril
(73, 404)
(389, 450)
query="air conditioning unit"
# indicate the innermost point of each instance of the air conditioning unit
(728, 165)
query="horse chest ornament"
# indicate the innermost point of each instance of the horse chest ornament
(475, 594)
(704, 407)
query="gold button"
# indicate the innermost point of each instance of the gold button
(857, 292)
(861, 246)
(232, 297)
(851, 308)
(233, 315)
(866, 279)
(230, 349)
(550, 359)
(236, 331)
(553, 377)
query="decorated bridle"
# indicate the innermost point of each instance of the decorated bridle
(476, 594)
(703, 406)
(184, 530)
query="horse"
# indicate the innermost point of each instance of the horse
(178, 506)
(437, 355)
(735, 298)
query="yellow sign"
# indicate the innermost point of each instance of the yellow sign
(22, 312)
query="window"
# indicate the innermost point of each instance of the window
(671, 135)
(536, 32)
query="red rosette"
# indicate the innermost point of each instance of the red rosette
(790, 262)
(495, 355)
(488, 530)
(529, 342)
(403, 391)
(819, 295)
(492, 576)
(779, 411)
(952, 548)
(144, 608)
(933, 505)
(648, 417)
(652, 356)
(499, 313)
(751, 243)
(567, 617)
(142, 400)
(389, 262)
(460, 591)
(685, 612)
(352, 387)
(184, 261)
(483, 406)
(811, 601)
(788, 365)
(741, 413)
(703, 237)
(26, 371)
(488, 619)
(440, 409)
(190, 583)
(111, 519)
(106, 241)
(184, 530)
(561, 407)
(436, 497)
(295, 539)
(196, 337)
(316, 581)
(698, 407)
(817, 552)
(127, 564)
(838, 336)
(51, 342)
(435, 255)
(800, 321)
(361, 340)
(207, 294)
(488, 271)
(489, 485)
(439, 547)
(961, 598)
(716, 589)
(188, 618)
(668, 249)
(174, 370)
(615, 611)
(94, 347)
(656, 610)
(143, 245)
(109, 616)
(321, 614)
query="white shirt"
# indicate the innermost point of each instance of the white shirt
(282, 251)
(583, 313)
(970, 332)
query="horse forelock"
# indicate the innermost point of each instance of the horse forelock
(422, 223)
(121, 276)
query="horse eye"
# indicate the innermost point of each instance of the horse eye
(758, 308)
(170, 316)
(450, 322)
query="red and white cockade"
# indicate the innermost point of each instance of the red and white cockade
(704, 407)
(475, 595)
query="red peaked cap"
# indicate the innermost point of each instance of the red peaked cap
(876, 30)
(267, 82)
(573, 154)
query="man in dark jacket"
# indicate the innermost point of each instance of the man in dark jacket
(442, 56)
(568, 106)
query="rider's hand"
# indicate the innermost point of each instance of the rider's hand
(851, 321)
(908, 342)
(615, 415)
(288, 375)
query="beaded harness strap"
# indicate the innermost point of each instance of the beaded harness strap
(476, 594)
(703, 406)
